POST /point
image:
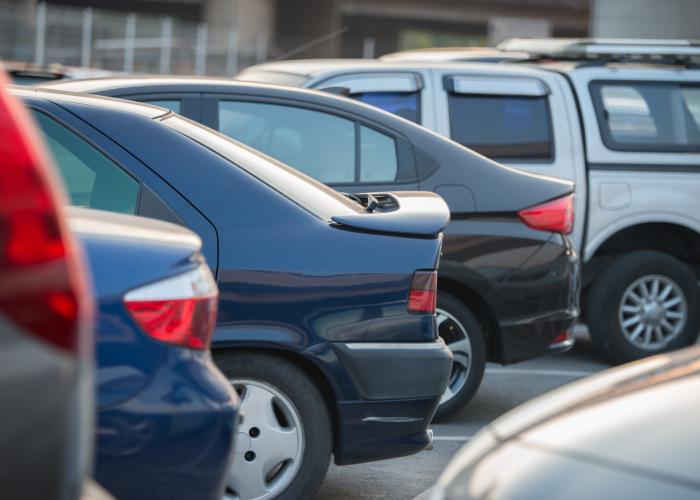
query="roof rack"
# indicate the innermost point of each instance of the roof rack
(606, 49)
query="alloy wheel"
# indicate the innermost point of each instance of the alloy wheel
(652, 312)
(455, 336)
(269, 444)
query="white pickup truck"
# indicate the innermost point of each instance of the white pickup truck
(619, 117)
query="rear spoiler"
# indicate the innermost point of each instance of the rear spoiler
(417, 213)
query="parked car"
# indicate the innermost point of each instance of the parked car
(45, 329)
(628, 433)
(620, 118)
(506, 292)
(166, 416)
(326, 303)
(25, 73)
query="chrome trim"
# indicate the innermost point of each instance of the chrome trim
(358, 346)
(392, 420)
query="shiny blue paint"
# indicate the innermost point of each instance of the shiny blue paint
(165, 414)
(289, 281)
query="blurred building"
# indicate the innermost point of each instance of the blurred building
(219, 37)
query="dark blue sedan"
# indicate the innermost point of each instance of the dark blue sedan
(165, 414)
(326, 321)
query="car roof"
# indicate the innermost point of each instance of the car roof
(145, 110)
(451, 54)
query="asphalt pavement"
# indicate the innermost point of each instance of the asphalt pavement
(503, 389)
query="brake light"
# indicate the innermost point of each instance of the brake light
(422, 298)
(180, 310)
(42, 287)
(562, 337)
(556, 215)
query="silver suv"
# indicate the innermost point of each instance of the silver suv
(619, 117)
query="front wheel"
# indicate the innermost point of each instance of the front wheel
(284, 439)
(643, 303)
(461, 331)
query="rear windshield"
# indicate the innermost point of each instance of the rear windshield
(308, 193)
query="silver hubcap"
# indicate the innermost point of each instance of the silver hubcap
(269, 444)
(652, 312)
(455, 336)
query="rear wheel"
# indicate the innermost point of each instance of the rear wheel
(461, 331)
(643, 303)
(284, 440)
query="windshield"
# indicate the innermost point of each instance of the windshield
(310, 194)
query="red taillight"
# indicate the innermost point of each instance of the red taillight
(42, 288)
(180, 310)
(422, 298)
(556, 215)
(562, 337)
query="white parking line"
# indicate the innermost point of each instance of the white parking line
(460, 439)
(534, 371)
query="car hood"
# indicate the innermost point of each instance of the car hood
(640, 417)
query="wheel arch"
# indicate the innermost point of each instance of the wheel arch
(309, 368)
(480, 308)
(671, 222)
(679, 240)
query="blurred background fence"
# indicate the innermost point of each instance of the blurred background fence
(123, 41)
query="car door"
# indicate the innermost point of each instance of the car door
(524, 120)
(100, 174)
(339, 149)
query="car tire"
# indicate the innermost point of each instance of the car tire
(619, 323)
(461, 331)
(299, 404)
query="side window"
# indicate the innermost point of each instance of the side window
(505, 127)
(172, 104)
(643, 116)
(319, 144)
(378, 159)
(404, 104)
(92, 179)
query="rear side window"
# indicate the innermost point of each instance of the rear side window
(403, 104)
(319, 144)
(378, 158)
(329, 148)
(644, 116)
(172, 104)
(512, 128)
(92, 179)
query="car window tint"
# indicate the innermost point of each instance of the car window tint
(404, 104)
(319, 144)
(92, 179)
(643, 116)
(503, 127)
(378, 161)
(171, 104)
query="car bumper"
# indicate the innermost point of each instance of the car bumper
(175, 438)
(538, 304)
(399, 387)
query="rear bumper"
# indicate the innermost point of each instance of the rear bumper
(400, 385)
(405, 370)
(538, 303)
(175, 438)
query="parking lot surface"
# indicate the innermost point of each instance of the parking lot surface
(503, 389)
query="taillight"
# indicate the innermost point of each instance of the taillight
(179, 310)
(556, 215)
(42, 288)
(422, 298)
